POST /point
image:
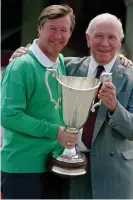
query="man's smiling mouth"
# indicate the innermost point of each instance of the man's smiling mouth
(104, 51)
(55, 42)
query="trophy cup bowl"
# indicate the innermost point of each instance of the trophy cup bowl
(75, 99)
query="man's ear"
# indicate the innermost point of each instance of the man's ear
(70, 34)
(39, 28)
(121, 40)
(88, 39)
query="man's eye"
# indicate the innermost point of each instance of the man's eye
(112, 37)
(53, 29)
(63, 30)
(98, 36)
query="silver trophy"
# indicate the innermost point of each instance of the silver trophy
(75, 100)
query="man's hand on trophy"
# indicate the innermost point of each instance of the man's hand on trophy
(107, 94)
(66, 139)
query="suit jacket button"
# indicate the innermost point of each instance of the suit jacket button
(112, 153)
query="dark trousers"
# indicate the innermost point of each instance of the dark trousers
(80, 187)
(34, 186)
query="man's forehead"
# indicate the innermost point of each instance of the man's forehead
(106, 23)
(105, 27)
(62, 21)
(63, 18)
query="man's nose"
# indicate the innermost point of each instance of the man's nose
(58, 35)
(105, 42)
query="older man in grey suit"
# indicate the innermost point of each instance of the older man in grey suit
(109, 132)
(110, 171)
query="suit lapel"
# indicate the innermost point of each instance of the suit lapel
(119, 80)
(83, 69)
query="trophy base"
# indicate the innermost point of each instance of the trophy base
(65, 165)
(68, 172)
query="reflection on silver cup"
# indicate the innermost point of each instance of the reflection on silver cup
(75, 99)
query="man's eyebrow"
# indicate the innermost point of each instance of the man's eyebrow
(113, 35)
(65, 28)
(98, 33)
(52, 26)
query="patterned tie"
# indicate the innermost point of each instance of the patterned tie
(89, 125)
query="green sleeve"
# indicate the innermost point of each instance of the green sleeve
(13, 105)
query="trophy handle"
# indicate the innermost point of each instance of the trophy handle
(104, 77)
(54, 73)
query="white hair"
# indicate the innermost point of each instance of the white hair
(106, 17)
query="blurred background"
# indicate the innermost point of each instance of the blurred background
(19, 19)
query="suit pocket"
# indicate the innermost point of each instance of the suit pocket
(128, 155)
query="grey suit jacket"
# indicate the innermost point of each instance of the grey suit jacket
(112, 144)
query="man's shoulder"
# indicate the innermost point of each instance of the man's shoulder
(21, 63)
(128, 71)
(17, 68)
(75, 60)
(76, 66)
(25, 59)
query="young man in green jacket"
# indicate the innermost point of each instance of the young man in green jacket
(32, 127)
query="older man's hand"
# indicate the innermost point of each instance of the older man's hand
(107, 94)
(19, 52)
(124, 61)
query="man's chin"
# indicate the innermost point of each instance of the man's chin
(56, 52)
(103, 61)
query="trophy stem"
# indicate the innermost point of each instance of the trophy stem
(70, 152)
(71, 130)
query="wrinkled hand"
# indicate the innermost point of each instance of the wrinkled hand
(124, 61)
(66, 139)
(19, 52)
(108, 96)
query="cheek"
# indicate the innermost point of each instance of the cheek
(115, 46)
(46, 34)
(94, 47)
(43, 35)
(50, 35)
(66, 38)
(94, 43)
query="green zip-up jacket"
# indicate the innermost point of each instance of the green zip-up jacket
(29, 119)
